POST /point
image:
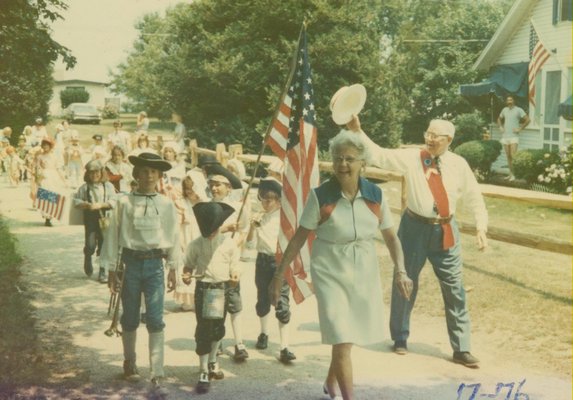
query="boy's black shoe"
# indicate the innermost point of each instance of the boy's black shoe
(215, 371)
(240, 353)
(286, 356)
(203, 384)
(262, 341)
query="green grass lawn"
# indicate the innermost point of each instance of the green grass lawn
(519, 297)
(19, 348)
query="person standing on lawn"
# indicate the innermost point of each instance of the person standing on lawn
(511, 121)
(436, 180)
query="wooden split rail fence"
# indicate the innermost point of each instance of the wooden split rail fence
(496, 233)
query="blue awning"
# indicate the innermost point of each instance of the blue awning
(566, 109)
(503, 80)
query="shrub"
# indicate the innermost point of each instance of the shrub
(110, 111)
(546, 171)
(526, 166)
(73, 95)
(480, 155)
(468, 127)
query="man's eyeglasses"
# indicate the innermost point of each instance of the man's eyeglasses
(348, 159)
(433, 136)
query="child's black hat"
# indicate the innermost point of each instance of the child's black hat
(210, 216)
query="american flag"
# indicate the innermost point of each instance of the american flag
(50, 203)
(538, 54)
(293, 139)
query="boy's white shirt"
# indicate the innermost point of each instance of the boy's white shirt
(165, 237)
(267, 234)
(216, 258)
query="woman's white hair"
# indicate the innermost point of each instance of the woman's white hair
(348, 138)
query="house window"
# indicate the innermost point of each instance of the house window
(551, 133)
(561, 11)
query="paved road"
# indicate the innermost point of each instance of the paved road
(71, 312)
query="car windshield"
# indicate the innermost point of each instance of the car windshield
(85, 109)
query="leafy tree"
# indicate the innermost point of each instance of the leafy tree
(28, 53)
(222, 64)
(432, 48)
(74, 95)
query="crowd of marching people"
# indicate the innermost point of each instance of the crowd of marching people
(160, 227)
(193, 218)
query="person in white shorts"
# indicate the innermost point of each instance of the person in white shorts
(511, 121)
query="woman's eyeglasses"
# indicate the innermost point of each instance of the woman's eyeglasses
(348, 159)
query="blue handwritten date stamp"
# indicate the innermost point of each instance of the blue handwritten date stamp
(474, 391)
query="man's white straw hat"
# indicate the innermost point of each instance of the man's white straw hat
(347, 101)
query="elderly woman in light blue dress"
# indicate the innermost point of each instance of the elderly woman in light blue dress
(346, 212)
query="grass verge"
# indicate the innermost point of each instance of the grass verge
(19, 350)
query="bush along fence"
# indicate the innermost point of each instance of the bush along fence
(502, 234)
(544, 170)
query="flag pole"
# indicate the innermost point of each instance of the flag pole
(270, 126)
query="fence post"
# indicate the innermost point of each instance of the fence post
(220, 154)
(193, 152)
(235, 150)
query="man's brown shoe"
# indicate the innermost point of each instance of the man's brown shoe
(466, 359)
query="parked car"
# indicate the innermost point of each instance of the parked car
(82, 112)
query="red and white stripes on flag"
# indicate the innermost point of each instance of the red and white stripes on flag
(538, 55)
(50, 203)
(293, 139)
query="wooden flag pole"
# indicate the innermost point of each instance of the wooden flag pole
(270, 126)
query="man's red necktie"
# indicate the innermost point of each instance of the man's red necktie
(434, 178)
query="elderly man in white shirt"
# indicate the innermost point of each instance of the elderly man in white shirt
(144, 225)
(436, 180)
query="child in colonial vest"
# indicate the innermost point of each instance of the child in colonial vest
(95, 197)
(221, 183)
(214, 258)
(265, 228)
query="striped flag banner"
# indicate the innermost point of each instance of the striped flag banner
(538, 55)
(293, 139)
(50, 203)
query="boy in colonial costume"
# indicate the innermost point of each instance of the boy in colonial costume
(265, 228)
(221, 185)
(214, 258)
(144, 226)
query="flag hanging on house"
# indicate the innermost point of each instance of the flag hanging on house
(50, 203)
(293, 139)
(538, 54)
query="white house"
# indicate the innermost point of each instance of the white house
(98, 93)
(507, 57)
